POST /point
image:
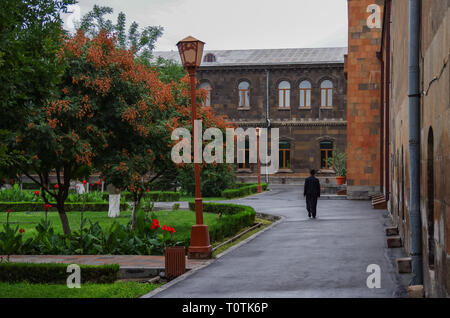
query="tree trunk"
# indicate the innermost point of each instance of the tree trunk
(133, 216)
(136, 201)
(64, 219)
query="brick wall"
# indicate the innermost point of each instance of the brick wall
(363, 100)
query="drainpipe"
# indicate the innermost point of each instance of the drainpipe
(267, 116)
(414, 141)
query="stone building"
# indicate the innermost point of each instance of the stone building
(300, 91)
(387, 49)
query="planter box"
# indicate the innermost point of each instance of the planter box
(175, 261)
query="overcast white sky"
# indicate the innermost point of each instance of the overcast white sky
(235, 24)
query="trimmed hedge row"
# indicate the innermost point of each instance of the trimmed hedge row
(56, 273)
(243, 191)
(234, 218)
(39, 206)
(157, 196)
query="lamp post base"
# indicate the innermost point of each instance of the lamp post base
(200, 247)
(259, 189)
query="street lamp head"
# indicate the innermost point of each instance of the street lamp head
(191, 52)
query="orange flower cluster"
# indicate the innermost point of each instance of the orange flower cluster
(86, 155)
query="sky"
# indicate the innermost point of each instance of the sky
(233, 24)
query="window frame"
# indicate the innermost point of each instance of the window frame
(284, 90)
(245, 97)
(328, 153)
(208, 96)
(246, 164)
(305, 94)
(328, 92)
(285, 155)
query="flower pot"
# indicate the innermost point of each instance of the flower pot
(175, 261)
(340, 180)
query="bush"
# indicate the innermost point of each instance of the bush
(92, 239)
(234, 218)
(39, 206)
(213, 180)
(156, 196)
(16, 195)
(242, 191)
(56, 273)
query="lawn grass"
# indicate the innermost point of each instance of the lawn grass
(115, 290)
(265, 223)
(181, 220)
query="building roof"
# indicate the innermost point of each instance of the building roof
(267, 56)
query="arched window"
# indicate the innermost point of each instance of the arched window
(430, 198)
(326, 152)
(207, 99)
(285, 154)
(326, 91)
(244, 94)
(284, 95)
(305, 94)
(209, 58)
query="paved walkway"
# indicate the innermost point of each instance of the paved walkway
(302, 257)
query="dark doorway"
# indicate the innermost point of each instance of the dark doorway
(430, 198)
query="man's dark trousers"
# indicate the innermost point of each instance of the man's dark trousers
(311, 204)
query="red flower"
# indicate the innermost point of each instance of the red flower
(155, 224)
(98, 182)
(171, 230)
(9, 210)
(56, 186)
(148, 190)
(84, 181)
(22, 230)
(47, 206)
(36, 192)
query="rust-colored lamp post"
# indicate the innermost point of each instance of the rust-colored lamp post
(258, 133)
(191, 51)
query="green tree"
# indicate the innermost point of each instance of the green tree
(140, 40)
(30, 37)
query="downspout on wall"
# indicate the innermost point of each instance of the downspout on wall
(414, 140)
(267, 114)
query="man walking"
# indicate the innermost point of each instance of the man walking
(312, 192)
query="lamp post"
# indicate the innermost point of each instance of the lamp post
(258, 132)
(191, 51)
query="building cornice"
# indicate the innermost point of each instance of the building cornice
(271, 67)
(291, 123)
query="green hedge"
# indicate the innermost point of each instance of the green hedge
(243, 190)
(39, 206)
(157, 196)
(56, 273)
(234, 218)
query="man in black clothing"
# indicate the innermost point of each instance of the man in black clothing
(312, 192)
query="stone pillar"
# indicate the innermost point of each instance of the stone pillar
(363, 100)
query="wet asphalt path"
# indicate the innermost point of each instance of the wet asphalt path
(302, 257)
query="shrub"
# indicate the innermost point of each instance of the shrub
(243, 190)
(39, 206)
(157, 196)
(213, 180)
(234, 218)
(16, 195)
(56, 273)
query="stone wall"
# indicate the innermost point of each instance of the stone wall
(434, 142)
